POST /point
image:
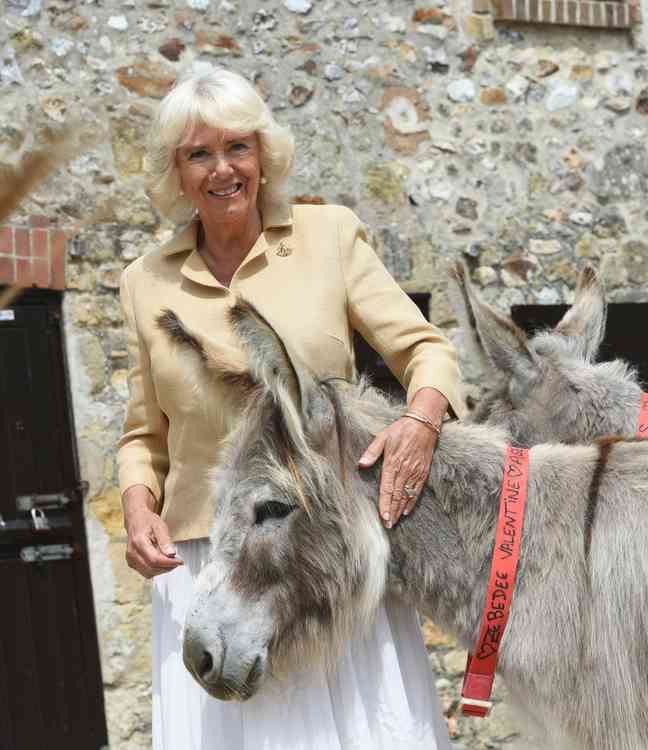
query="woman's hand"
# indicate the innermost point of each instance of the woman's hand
(407, 446)
(150, 550)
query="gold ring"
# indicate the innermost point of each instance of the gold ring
(409, 491)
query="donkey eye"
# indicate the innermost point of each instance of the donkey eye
(272, 509)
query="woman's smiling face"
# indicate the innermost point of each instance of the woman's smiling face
(220, 172)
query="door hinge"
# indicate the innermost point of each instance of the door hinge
(46, 553)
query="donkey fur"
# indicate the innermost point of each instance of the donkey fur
(299, 558)
(548, 388)
(16, 182)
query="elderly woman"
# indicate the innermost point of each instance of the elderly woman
(218, 162)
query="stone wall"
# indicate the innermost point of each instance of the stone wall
(520, 148)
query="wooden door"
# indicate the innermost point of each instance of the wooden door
(50, 681)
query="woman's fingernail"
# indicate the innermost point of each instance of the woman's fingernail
(386, 515)
(406, 512)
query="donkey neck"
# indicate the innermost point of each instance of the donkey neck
(441, 553)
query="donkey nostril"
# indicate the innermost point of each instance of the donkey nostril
(205, 665)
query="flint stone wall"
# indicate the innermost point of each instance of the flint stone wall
(522, 149)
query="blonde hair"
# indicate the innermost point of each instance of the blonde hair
(221, 99)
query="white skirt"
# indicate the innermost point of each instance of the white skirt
(381, 697)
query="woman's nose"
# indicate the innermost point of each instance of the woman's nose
(220, 167)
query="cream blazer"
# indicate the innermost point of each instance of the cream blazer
(315, 279)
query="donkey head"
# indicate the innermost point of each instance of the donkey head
(298, 556)
(547, 388)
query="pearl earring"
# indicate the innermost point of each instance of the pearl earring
(263, 181)
(181, 194)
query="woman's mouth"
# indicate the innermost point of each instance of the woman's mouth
(226, 192)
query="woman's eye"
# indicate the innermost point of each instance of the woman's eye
(197, 154)
(239, 147)
(272, 509)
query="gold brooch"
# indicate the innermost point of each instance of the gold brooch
(283, 250)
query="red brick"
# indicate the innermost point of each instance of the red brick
(40, 243)
(40, 222)
(58, 246)
(506, 9)
(23, 272)
(22, 243)
(586, 14)
(560, 12)
(41, 272)
(6, 241)
(7, 271)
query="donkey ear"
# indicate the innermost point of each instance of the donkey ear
(494, 336)
(35, 166)
(271, 364)
(461, 295)
(584, 323)
(226, 364)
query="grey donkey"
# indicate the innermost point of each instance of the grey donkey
(299, 559)
(548, 388)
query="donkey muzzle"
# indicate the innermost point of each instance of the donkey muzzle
(220, 671)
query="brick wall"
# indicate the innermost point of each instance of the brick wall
(615, 14)
(612, 15)
(33, 255)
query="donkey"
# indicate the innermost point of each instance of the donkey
(299, 558)
(548, 388)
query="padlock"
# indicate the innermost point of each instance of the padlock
(39, 519)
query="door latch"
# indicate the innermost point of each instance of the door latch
(47, 553)
(28, 503)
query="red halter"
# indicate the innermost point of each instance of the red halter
(480, 669)
(642, 430)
